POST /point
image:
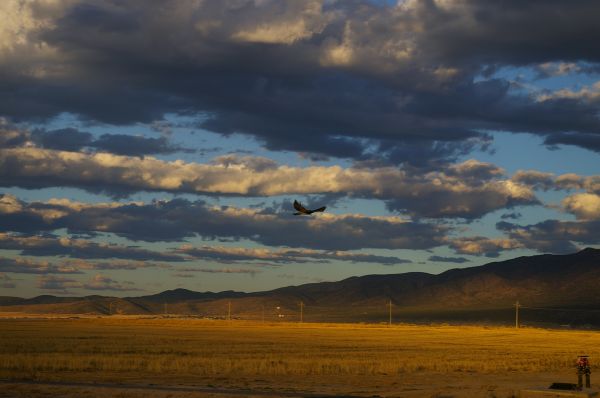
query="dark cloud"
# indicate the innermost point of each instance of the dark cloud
(79, 248)
(455, 260)
(27, 266)
(535, 179)
(73, 140)
(178, 219)
(587, 141)
(183, 275)
(511, 216)
(121, 144)
(427, 154)
(57, 283)
(328, 79)
(67, 139)
(230, 255)
(103, 282)
(132, 145)
(98, 282)
(550, 236)
(553, 236)
(467, 205)
(123, 265)
(11, 137)
(248, 271)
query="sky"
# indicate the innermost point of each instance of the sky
(147, 146)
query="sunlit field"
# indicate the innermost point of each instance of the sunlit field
(333, 359)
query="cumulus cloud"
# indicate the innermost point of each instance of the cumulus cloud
(585, 206)
(553, 236)
(73, 140)
(326, 237)
(25, 265)
(103, 282)
(549, 236)
(548, 181)
(113, 265)
(254, 66)
(97, 282)
(469, 189)
(479, 245)
(591, 93)
(179, 219)
(58, 284)
(535, 179)
(588, 141)
(282, 256)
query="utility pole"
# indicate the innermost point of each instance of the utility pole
(301, 311)
(229, 311)
(517, 305)
(390, 304)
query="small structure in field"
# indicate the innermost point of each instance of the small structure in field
(567, 389)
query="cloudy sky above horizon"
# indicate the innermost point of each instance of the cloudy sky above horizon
(146, 146)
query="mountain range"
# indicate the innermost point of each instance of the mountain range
(558, 289)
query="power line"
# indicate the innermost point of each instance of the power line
(560, 309)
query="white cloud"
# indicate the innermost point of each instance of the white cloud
(585, 206)
(588, 93)
(479, 245)
(241, 254)
(455, 192)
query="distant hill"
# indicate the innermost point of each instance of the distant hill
(177, 295)
(561, 289)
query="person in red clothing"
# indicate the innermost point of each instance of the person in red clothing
(583, 368)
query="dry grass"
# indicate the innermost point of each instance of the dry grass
(179, 350)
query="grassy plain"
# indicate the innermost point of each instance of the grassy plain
(334, 359)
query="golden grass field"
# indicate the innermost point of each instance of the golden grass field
(329, 359)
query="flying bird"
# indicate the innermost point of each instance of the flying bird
(303, 210)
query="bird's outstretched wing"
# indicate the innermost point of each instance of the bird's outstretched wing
(301, 209)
